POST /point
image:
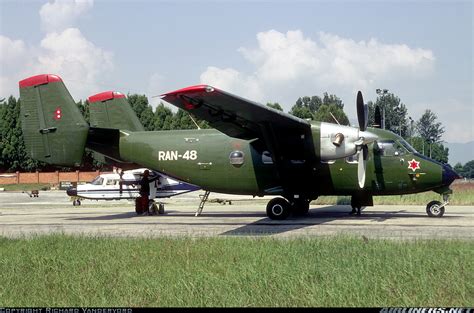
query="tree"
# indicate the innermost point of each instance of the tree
(466, 171)
(427, 127)
(332, 100)
(305, 107)
(395, 114)
(438, 151)
(163, 117)
(275, 106)
(84, 108)
(325, 111)
(13, 154)
(144, 111)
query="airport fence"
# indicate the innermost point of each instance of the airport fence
(53, 178)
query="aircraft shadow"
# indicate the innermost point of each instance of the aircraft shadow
(318, 216)
(266, 226)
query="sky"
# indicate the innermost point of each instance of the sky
(265, 51)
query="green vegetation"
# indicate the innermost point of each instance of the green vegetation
(460, 196)
(61, 270)
(27, 187)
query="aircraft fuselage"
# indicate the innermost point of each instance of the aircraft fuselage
(217, 162)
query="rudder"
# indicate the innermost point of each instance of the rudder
(54, 129)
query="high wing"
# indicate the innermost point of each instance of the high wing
(230, 114)
(286, 137)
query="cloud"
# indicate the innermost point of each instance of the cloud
(73, 57)
(64, 51)
(62, 14)
(14, 55)
(288, 65)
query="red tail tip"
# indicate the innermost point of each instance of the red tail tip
(106, 95)
(39, 80)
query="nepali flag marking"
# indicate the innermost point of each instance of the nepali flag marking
(57, 114)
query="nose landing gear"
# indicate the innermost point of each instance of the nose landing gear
(436, 208)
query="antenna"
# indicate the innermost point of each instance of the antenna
(194, 121)
(334, 118)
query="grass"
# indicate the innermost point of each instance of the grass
(27, 187)
(463, 194)
(59, 270)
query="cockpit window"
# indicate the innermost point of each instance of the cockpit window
(390, 148)
(97, 181)
(407, 146)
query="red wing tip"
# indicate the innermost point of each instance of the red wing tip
(106, 95)
(39, 80)
(188, 90)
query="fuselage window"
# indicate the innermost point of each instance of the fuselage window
(267, 158)
(236, 158)
(111, 182)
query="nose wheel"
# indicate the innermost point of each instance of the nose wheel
(435, 209)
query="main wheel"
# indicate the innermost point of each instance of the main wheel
(278, 209)
(435, 209)
(300, 207)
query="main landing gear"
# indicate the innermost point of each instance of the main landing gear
(436, 208)
(280, 208)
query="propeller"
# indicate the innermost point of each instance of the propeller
(364, 139)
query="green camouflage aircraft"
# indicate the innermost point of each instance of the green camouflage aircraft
(252, 150)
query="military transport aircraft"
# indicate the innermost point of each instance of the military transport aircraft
(252, 150)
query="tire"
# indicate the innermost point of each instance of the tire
(300, 207)
(161, 208)
(78, 202)
(434, 209)
(278, 209)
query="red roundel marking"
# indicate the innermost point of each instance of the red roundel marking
(57, 114)
(413, 165)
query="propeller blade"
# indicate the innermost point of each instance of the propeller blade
(362, 112)
(361, 168)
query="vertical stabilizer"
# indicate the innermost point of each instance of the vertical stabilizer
(53, 128)
(110, 109)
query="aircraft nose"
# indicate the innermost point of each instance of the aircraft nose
(449, 175)
(72, 192)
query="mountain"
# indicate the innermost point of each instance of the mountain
(460, 152)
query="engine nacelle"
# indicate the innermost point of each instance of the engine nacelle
(338, 141)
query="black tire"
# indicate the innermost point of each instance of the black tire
(278, 209)
(434, 209)
(78, 202)
(300, 207)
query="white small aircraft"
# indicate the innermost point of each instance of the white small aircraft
(112, 187)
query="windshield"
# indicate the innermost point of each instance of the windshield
(390, 148)
(97, 181)
(407, 146)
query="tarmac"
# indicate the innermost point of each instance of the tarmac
(53, 212)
